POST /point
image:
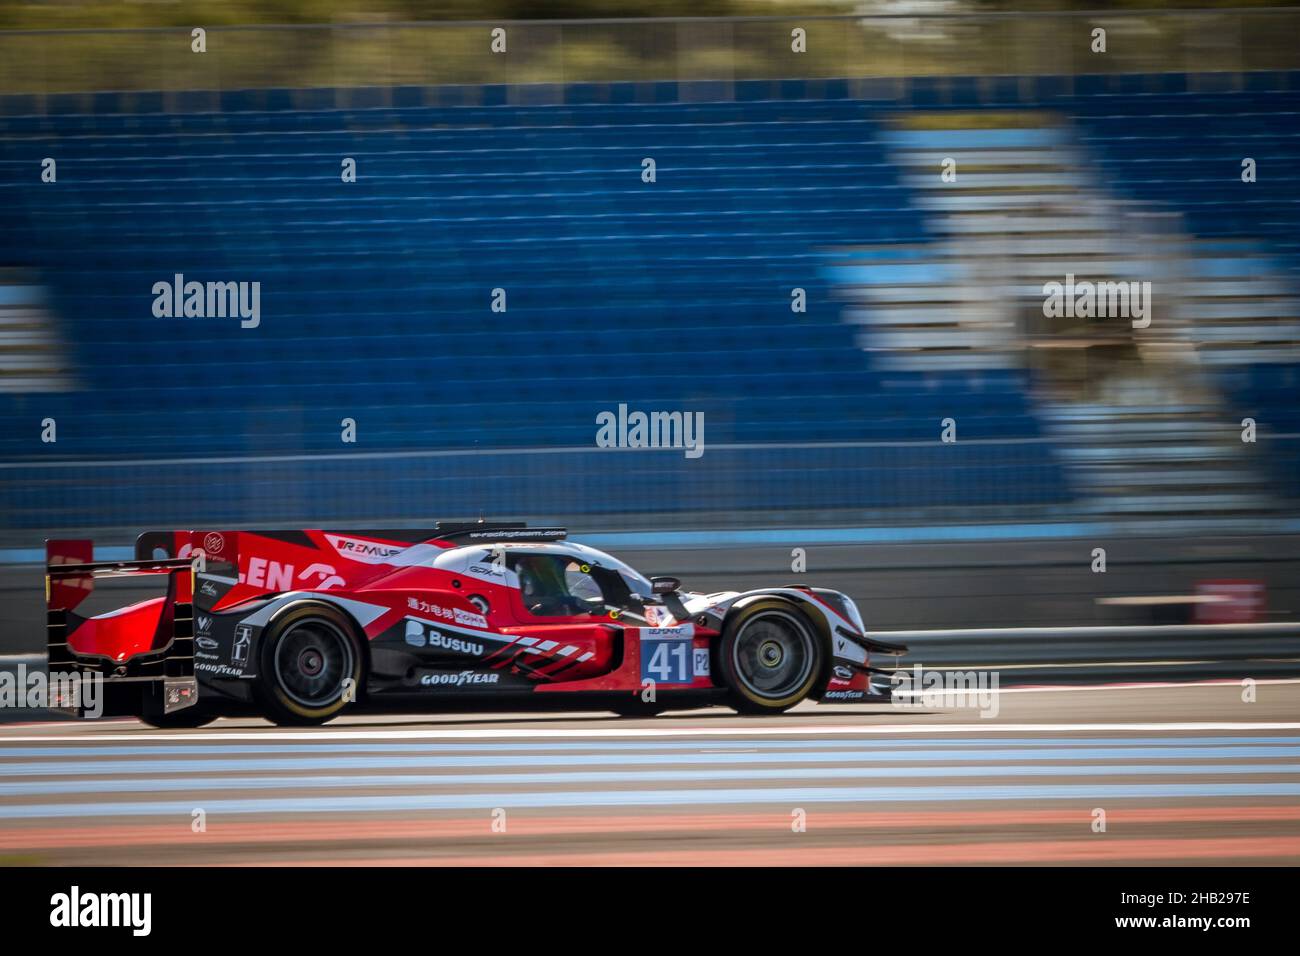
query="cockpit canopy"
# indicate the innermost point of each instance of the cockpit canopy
(555, 578)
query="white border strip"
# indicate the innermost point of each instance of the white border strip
(611, 732)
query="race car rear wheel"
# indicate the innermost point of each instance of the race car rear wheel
(770, 657)
(311, 666)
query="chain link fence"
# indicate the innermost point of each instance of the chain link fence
(561, 52)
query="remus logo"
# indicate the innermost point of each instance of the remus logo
(75, 909)
(359, 549)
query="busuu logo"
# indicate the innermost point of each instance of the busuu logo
(76, 909)
(419, 634)
(448, 643)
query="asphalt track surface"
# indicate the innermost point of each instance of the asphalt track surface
(1185, 774)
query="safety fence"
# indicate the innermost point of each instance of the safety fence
(345, 55)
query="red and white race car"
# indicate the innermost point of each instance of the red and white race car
(300, 625)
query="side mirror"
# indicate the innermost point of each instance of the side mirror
(665, 585)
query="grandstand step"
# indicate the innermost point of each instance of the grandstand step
(1011, 159)
(1118, 479)
(1139, 454)
(1242, 310)
(1144, 430)
(1017, 183)
(32, 355)
(992, 202)
(964, 338)
(1246, 355)
(1171, 504)
(931, 360)
(933, 313)
(979, 222)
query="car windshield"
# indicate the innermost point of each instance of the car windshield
(556, 585)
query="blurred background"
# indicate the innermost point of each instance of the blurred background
(776, 169)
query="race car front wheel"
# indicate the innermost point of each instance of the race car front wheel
(770, 657)
(311, 666)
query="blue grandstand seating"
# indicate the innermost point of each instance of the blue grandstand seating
(675, 295)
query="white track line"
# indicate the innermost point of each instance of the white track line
(58, 730)
(809, 730)
(1080, 688)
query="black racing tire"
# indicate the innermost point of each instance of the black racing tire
(306, 655)
(770, 658)
(196, 716)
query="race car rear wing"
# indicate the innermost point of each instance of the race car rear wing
(222, 545)
(158, 680)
